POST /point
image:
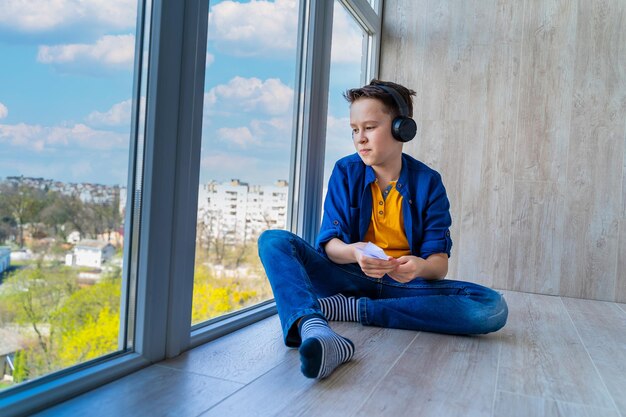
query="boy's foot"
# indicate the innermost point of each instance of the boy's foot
(322, 350)
(340, 308)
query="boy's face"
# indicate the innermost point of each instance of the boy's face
(371, 133)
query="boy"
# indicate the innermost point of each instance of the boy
(383, 196)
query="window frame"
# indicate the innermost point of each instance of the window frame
(162, 255)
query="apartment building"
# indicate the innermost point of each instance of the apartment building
(236, 211)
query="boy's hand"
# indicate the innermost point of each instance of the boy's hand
(408, 268)
(372, 267)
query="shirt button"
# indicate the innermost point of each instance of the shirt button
(410, 201)
(380, 212)
(380, 203)
(448, 233)
(335, 222)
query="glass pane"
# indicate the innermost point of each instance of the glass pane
(246, 145)
(65, 120)
(347, 58)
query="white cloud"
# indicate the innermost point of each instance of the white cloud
(239, 136)
(115, 51)
(48, 138)
(275, 125)
(4, 112)
(210, 58)
(338, 137)
(251, 94)
(339, 133)
(257, 28)
(36, 16)
(275, 133)
(262, 28)
(347, 38)
(118, 115)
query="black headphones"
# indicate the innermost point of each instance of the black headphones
(403, 128)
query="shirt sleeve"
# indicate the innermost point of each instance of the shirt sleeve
(336, 218)
(437, 221)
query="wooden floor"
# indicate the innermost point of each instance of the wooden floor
(555, 357)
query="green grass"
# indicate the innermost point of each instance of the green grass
(5, 385)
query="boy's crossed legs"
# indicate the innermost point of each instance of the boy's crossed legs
(297, 273)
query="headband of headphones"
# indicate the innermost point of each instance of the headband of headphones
(402, 106)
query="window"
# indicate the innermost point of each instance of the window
(65, 129)
(246, 135)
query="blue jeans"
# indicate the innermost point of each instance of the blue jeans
(299, 275)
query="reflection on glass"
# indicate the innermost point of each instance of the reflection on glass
(65, 111)
(246, 143)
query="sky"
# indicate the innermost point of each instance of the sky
(66, 83)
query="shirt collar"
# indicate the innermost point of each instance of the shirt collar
(370, 175)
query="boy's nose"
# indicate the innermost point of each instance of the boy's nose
(359, 137)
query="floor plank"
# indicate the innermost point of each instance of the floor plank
(437, 375)
(513, 405)
(602, 328)
(240, 357)
(544, 356)
(376, 351)
(152, 392)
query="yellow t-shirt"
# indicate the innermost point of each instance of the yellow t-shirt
(386, 227)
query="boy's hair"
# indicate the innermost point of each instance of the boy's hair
(373, 91)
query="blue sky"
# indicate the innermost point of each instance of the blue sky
(66, 80)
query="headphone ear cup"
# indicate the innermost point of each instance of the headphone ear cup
(403, 128)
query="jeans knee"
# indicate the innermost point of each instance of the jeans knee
(272, 239)
(495, 314)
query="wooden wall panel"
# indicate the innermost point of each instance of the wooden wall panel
(522, 108)
(488, 166)
(596, 152)
(536, 237)
(548, 57)
(620, 271)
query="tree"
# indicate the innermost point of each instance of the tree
(34, 294)
(56, 214)
(8, 226)
(95, 337)
(23, 203)
(20, 363)
(83, 307)
(70, 324)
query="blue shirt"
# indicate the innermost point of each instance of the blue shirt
(425, 205)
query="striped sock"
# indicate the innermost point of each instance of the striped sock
(322, 350)
(340, 308)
